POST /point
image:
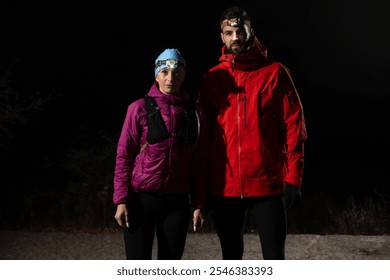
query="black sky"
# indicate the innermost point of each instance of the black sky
(99, 57)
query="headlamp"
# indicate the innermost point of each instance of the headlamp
(171, 63)
(235, 22)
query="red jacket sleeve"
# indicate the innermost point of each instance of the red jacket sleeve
(295, 129)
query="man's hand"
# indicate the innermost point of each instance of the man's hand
(293, 196)
(198, 219)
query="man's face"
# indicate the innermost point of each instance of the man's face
(235, 38)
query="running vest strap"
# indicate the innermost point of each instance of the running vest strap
(157, 130)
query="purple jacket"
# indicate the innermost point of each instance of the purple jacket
(169, 166)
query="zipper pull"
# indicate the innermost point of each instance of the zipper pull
(244, 99)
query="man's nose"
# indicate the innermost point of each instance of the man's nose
(235, 36)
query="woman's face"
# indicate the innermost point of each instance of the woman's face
(170, 80)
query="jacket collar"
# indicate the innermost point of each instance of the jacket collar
(254, 58)
(169, 99)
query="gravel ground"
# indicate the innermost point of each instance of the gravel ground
(29, 245)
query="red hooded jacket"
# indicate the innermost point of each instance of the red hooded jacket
(256, 125)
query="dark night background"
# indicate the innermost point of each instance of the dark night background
(85, 63)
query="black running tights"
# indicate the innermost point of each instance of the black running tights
(164, 215)
(268, 215)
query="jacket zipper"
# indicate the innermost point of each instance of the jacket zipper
(244, 100)
(239, 144)
(168, 152)
(239, 130)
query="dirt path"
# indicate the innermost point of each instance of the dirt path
(22, 245)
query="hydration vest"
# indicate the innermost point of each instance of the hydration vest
(157, 130)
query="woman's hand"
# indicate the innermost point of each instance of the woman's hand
(122, 215)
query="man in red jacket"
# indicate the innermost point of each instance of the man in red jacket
(257, 133)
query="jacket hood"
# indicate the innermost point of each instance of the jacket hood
(254, 58)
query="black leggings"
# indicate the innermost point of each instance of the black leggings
(269, 217)
(167, 216)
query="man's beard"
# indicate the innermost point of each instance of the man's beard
(238, 49)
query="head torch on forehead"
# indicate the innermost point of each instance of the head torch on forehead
(235, 22)
(171, 63)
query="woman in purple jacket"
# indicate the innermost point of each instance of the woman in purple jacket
(160, 165)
